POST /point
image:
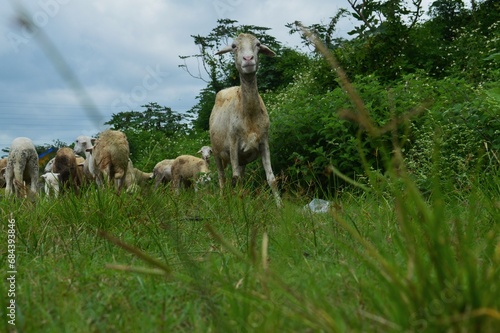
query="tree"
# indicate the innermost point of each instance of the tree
(154, 118)
(447, 17)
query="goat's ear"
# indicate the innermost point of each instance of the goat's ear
(267, 51)
(228, 48)
(92, 141)
(2, 171)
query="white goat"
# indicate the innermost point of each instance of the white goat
(22, 166)
(83, 145)
(239, 123)
(51, 183)
(110, 156)
(162, 172)
(189, 169)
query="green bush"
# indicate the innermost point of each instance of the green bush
(449, 116)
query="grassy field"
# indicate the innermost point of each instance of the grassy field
(386, 259)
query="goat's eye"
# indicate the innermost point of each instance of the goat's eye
(233, 46)
(258, 44)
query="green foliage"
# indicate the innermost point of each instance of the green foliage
(458, 134)
(154, 118)
(307, 135)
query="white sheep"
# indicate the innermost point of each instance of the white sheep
(162, 172)
(189, 169)
(239, 123)
(51, 183)
(205, 152)
(110, 156)
(135, 177)
(22, 166)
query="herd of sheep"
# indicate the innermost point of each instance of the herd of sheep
(239, 126)
(106, 162)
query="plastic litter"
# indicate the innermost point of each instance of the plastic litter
(318, 206)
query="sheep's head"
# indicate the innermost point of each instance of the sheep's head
(246, 48)
(82, 143)
(205, 152)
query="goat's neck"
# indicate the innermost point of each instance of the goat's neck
(249, 93)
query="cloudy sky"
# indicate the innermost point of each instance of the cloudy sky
(125, 53)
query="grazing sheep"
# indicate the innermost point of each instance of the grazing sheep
(162, 172)
(135, 177)
(189, 169)
(239, 123)
(83, 145)
(205, 152)
(69, 173)
(50, 164)
(3, 164)
(110, 156)
(51, 183)
(22, 166)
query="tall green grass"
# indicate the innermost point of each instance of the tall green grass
(385, 260)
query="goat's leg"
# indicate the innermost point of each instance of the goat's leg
(220, 172)
(271, 180)
(236, 168)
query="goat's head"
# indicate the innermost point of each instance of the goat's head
(246, 48)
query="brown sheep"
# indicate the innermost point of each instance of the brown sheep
(3, 164)
(110, 156)
(188, 169)
(70, 174)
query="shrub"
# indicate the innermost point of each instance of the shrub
(449, 115)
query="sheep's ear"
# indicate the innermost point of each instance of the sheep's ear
(267, 51)
(92, 141)
(228, 48)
